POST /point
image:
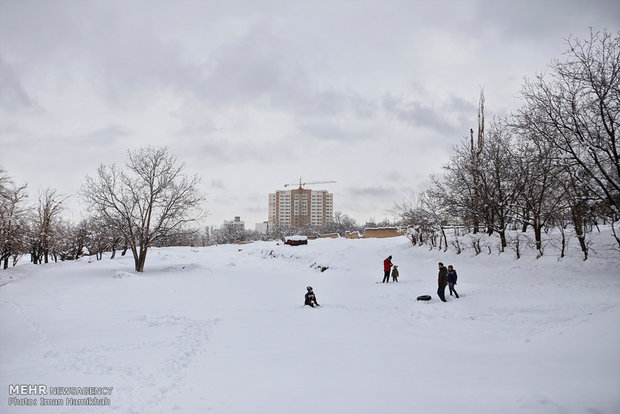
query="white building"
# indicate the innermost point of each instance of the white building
(236, 224)
(262, 228)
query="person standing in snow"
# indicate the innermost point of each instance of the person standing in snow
(452, 280)
(442, 282)
(310, 298)
(395, 274)
(387, 266)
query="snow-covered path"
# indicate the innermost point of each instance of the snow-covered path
(223, 330)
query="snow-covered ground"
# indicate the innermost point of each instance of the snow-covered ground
(223, 330)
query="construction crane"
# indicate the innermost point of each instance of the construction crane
(301, 185)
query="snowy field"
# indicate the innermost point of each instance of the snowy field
(223, 330)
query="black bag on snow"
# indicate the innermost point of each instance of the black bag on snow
(424, 297)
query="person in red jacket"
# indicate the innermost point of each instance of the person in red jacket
(387, 266)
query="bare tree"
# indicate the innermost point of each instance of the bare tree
(340, 223)
(65, 243)
(459, 186)
(577, 200)
(230, 234)
(79, 238)
(13, 218)
(44, 222)
(425, 217)
(149, 200)
(539, 169)
(576, 107)
(543, 197)
(474, 155)
(500, 179)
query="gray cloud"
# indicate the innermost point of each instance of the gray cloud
(13, 97)
(263, 67)
(373, 94)
(395, 176)
(374, 191)
(460, 105)
(218, 183)
(537, 20)
(422, 115)
(330, 130)
(249, 67)
(113, 134)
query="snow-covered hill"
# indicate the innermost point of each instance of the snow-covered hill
(223, 330)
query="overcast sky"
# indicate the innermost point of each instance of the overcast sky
(251, 95)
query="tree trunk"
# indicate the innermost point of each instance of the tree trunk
(538, 237)
(141, 259)
(78, 251)
(579, 229)
(584, 247)
(526, 219)
(518, 247)
(490, 219)
(445, 239)
(613, 230)
(502, 237)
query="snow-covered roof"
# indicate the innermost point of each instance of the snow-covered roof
(295, 238)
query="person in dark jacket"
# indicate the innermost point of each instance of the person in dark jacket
(442, 282)
(452, 280)
(310, 298)
(387, 266)
(395, 274)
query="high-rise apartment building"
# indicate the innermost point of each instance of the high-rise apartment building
(300, 207)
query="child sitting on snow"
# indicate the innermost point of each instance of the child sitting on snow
(310, 298)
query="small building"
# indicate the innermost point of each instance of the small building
(376, 233)
(295, 240)
(382, 232)
(235, 224)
